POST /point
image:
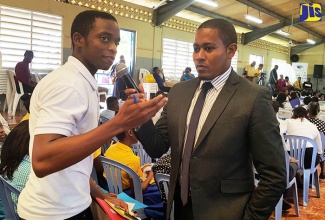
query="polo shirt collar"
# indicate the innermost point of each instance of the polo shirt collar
(83, 71)
(124, 147)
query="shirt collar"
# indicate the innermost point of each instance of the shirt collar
(123, 147)
(83, 71)
(218, 81)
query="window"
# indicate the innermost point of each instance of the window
(22, 30)
(177, 55)
(257, 58)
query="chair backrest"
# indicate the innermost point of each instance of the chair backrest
(162, 179)
(6, 191)
(37, 77)
(140, 152)
(12, 75)
(113, 170)
(297, 146)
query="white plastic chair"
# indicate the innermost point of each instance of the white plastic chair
(113, 170)
(15, 94)
(292, 183)
(297, 150)
(8, 91)
(162, 179)
(37, 77)
(6, 192)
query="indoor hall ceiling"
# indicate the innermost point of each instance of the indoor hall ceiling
(276, 14)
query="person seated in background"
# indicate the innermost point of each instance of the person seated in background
(23, 74)
(244, 75)
(321, 97)
(160, 80)
(4, 130)
(250, 70)
(308, 86)
(187, 75)
(293, 163)
(299, 125)
(122, 152)
(257, 73)
(15, 164)
(288, 84)
(26, 101)
(298, 85)
(281, 83)
(281, 99)
(314, 99)
(119, 85)
(112, 109)
(313, 110)
(306, 101)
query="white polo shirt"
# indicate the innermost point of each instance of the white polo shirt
(64, 102)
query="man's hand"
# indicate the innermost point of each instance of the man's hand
(133, 114)
(116, 201)
(293, 160)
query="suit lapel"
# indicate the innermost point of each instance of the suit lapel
(219, 106)
(184, 105)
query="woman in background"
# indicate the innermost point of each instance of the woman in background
(15, 163)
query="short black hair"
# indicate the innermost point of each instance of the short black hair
(226, 30)
(121, 136)
(85, 20)
(299, 112)
(155, 68)
(307, 100)
(27, 52)
(14, 149)
(110, 101)
(313, 108)
(314, 99)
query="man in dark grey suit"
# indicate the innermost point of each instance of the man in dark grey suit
(236, 128)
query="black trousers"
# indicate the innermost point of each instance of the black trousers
(84, 215)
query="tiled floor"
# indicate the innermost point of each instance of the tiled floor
(315, 209)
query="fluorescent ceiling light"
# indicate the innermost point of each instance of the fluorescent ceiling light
(254, 19)
(207, 2)
(283, 32)
(310, 41)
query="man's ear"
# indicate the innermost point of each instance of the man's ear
(231, 50)
(78, 39)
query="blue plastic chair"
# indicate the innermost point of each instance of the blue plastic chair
(113, 170)
(292, 183)
(140, 152)
(297, 150)
(6, 191)
(164, 180)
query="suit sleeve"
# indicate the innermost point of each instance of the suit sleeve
(155, 138)
(268, 158)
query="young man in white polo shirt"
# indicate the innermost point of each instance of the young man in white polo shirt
(63, 125)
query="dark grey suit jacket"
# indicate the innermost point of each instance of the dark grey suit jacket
(241, 128)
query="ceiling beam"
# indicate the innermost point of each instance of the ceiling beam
(281, 18)
(163, 13)
(234, 22)
(256, 34)
(300, 48)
